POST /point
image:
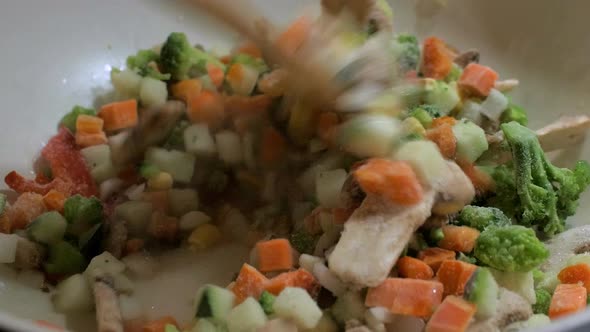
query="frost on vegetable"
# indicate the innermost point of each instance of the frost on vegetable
(541, 306)
(480, 217)
(180, 59)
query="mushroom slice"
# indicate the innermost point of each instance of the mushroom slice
(467, 57)
(511, 308)
(108, 313)
(565, 132)
(154, 126)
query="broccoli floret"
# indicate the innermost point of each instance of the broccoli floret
(511, 248)
(541, 306)
(69, 120)
(82, 213)
(303, 242)
(180, 59)
(514, 113)
(407, 51)
(144, 63)
(455, 73)
(482, 217)
(545, 194)
(266, 302)
(538, 276)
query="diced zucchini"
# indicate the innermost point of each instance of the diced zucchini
(8, 244)
(137, 214)
(328, 186)
(97, 155)
(246, 317)
(126, 82)
(64, 259)
(48, 228)
(103, 172)
(74, 295)
(369, 135)
(425, 158)
(245, 82)
(182, 201)
(177, 163)
(348, 306)
(152, 92)
(266, 301)
(229, 147)
(213, 302)
(198, 140)
(192, 220)
(482, 290)
(104, 264)
(443, 95)
(494, 105)
(171, 328)
(296, 304)
(471, 140)
(522, 283)
(82, 213)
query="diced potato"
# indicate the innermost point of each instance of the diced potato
(74, 295)
(296, 304)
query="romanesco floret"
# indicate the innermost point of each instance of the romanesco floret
(180, 59)
(145, 64)
(541, 194)
(480, 217)
(511, 248)
(407, 52)
(541, 306)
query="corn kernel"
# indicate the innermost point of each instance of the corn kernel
(204, 236)
(160, 181)
(411, 126)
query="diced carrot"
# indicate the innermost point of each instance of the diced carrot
(226, 59)
(458, 238)
(90, 139)
(235, 73)
(134, 325)
(48, 325)
(576, 274)
(294, 36)
(410, 267)
(477, 80)
(119, 115)
(453, 315)
(341, 215)
(215, 74)
(434, 257)
(163, 227)
(437, 59)
(482, 181)
(248, 48)
(395, 180)
(454, 275)
(274, 84)
(445, 139)
(273, 146)
(404, 296)
(184, 90)
(159, 325)
(299, 278)
(442, 120)
(326, 126)
(567, 299)
(252, 105)
(274, 255)
(159, 199)
(250, 282)
(206, 107)
(27, 207)
(5, 224)
(134, 245)
(89, 124)
(54, 200)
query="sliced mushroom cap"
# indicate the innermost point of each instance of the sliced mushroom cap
(571, 242)
(511, 308)
(351, 195)
(454, 191)
(466, 58)
(155, 125)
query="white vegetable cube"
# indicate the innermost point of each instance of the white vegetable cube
(192, 220)
(328, 186)
(229, 146)
(152, 92)
(8, 243)
(246, 317)
(126, 82)
(136, 214)
(104, 264)
(182, 201)
(425, 159)
(97, 155)
(308, 261)
(198, 140)
(471, 140)
(328, 279)
(297, 305)
(74, 295)
(179, 164)
(369, 135)
(441, 94)
(494, 104)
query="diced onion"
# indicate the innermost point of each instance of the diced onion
(110, 187)
(135, 192)
(494, 105)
